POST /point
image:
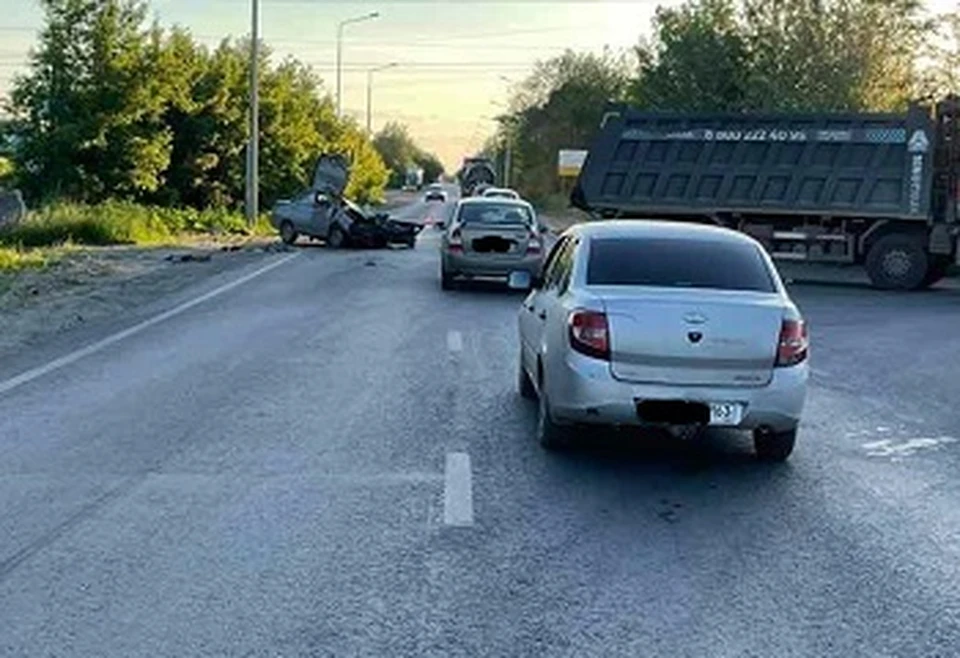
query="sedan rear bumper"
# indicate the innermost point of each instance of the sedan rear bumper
(582, 390)
(492, 266)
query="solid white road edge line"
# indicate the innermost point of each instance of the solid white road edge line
(458, 490)
(67, 359)
(454, 341)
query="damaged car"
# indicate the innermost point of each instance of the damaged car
(323, 213)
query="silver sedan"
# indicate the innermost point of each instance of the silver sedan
(491, 238)
(663, 324)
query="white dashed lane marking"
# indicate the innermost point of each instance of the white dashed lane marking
(454, 341)
(458, 490)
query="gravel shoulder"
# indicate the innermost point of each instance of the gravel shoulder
(87, 285)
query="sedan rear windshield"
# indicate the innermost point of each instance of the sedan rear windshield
(677, 263)
(495, 213)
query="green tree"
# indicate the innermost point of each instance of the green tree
(430, 163)
(832, 55)
(397, 149)
(87, 116)
(782, 55)
(697, 60)
(559, 106)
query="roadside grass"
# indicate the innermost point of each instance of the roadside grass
(120, 222)
(123, 223)
(16, 259)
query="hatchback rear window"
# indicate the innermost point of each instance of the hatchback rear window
(673, 263)
(494, 213)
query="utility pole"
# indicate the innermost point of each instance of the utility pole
(340, 26)
(506, 158)
(253, 145)
(370, 73)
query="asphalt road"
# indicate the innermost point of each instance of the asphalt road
(330, 459)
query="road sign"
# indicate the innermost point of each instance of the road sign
(570, 161)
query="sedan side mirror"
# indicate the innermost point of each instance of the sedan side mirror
(543, 228)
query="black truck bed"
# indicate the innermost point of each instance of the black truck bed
(644, 164)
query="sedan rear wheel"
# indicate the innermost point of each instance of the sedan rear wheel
(550, 435)
(446, 280)
(525, 384)
(774, 446)
(288, 233)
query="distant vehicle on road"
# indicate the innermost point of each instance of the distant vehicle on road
(475, 172)
(879, 190)
(322, 212)
(435, 192)
(413, 179)
(667, 324)
(491, 238)
(500, 193)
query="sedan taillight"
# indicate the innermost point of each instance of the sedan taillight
(794, 344)
(589, 333)
(455, 243)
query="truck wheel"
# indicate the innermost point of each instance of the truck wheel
(336, 238)
(898, 262)
(287, 233)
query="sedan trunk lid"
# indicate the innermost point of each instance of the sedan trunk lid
(692, 337)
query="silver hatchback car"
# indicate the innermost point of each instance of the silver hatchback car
(663, 324)
(491, 237)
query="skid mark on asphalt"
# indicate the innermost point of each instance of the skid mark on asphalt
(458, 490)
(8, 565)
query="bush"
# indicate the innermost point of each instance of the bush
(119, 222)
(12, 260)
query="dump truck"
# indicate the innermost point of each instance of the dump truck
(474, 173)
(876, 190)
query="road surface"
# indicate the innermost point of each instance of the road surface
(330, 459)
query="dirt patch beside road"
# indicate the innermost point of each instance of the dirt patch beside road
(87, 285)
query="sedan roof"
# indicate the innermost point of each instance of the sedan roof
(655, 228)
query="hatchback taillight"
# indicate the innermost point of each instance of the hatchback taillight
(794, 345)
(589, 333)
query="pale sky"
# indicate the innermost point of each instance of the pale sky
(454, 56)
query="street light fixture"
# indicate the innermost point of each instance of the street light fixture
(340, 26)
(370, 73)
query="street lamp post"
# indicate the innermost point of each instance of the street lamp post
(508, 147)
(253, 145)
(370, 73)
(340, 27)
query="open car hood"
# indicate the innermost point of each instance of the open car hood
(331, 174)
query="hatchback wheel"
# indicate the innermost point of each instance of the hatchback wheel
(774, 446)
(336, 238)
(287, 233)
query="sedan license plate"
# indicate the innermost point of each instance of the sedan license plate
(726, 413)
